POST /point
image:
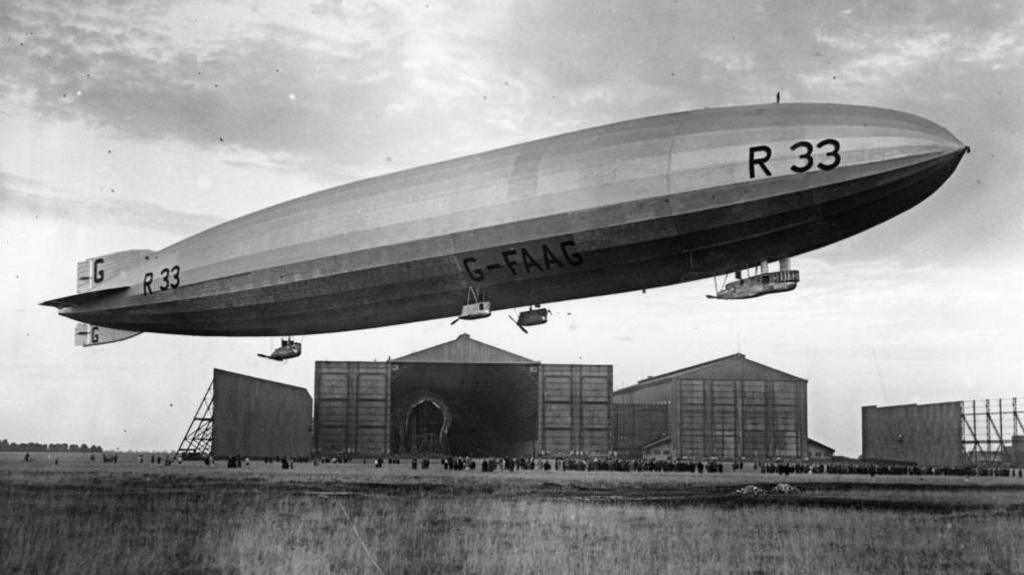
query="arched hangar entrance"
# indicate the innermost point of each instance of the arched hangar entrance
(463, 409)
(426, 426)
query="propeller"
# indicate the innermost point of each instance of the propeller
(518, 325)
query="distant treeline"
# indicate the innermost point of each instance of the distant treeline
(55, 447)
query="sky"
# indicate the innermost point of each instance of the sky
(134, 125)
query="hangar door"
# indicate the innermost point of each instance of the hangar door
(353, 400)
(472, 409)
(574, 411)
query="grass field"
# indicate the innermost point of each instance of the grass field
(88, 517)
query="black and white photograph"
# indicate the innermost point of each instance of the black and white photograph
(512, 287)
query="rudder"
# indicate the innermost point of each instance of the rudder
(109, 271)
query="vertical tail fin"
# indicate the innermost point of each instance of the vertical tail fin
(110, 270)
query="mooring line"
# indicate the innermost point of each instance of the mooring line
(369, 554)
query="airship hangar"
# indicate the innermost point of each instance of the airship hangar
(465, 397)
(987, 432)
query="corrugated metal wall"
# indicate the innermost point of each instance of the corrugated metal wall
(923, 434)
(734, 418)
(353, 402)
(1017, 451)
(258, 418)
(636, 425)
(353, 406)
(574, 409)
(729, 408)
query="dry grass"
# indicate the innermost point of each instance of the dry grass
(91, 518)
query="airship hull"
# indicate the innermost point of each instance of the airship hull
(624, 207)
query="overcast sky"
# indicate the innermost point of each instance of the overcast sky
(135, 125)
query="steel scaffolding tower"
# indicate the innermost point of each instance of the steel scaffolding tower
(988, 428)
(198, 440)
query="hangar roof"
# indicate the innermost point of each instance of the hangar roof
(220, 375)
(735, 366)
(463, 349)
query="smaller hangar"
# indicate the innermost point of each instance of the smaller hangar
(730, 408)
(987, 432)
(244, 416)
(817, 451)
(921, 434)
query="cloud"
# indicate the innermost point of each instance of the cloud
(1001, 49)
(887, 58)
(282, 90)
(350, 85)
(877, 50)
(316, 84)
(25, 197)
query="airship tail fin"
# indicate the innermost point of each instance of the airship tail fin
(102, 276)
(81, 298)
(110, 270)
(87, 335)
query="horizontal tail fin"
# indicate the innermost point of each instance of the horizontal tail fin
(104, 275)
(87, 335)
(81, 298)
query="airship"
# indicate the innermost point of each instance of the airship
(627, 206)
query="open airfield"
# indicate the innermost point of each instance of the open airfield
(67, 514)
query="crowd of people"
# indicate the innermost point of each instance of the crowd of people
(778, 467)
(580, 462)
(869, 468)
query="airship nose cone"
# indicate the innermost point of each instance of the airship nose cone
(954, 146)
(950, 148)
(954, 156)
(910, 138)
(940, 137)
